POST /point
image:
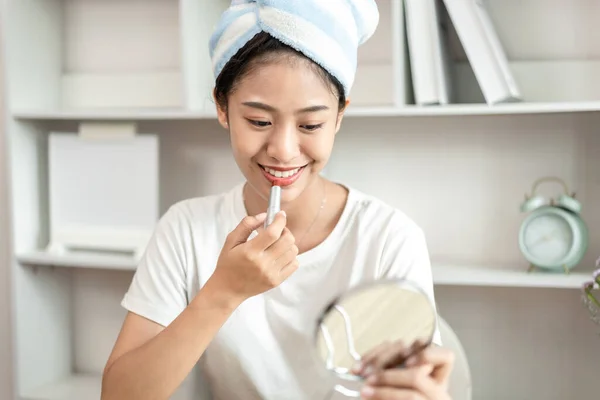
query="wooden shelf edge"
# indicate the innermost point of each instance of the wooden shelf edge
(80, 260)
(74, 387)
(362, 111)
(455, 275)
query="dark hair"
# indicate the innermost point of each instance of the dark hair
(264, 48)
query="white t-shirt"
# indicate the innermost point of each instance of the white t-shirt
(263, 351)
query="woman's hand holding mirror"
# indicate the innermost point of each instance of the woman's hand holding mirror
(387, 355)
(424, 375)
(441, 359)
(377, 340)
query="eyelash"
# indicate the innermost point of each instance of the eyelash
(264, 124)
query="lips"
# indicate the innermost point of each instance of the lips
(282, 176)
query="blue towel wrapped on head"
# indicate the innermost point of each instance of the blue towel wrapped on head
(327, 31)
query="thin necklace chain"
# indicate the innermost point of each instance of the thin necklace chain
(323, 201)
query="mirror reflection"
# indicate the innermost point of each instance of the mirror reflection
(368, 321)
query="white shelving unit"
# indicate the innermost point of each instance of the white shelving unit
(81, 260)
(443, 274)
(353, 111)
(460, 171)
(70, 388)
(473, 275)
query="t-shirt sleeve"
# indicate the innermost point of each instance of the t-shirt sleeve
(406, 256)
(158, 290)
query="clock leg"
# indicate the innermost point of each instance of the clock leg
(531, 268)
(566, 269)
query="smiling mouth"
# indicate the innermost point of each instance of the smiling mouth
(281, 174)
(281, 178)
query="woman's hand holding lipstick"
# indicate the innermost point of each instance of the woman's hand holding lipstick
(246, 268)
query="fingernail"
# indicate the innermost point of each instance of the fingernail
(368, 371)
(367, 391)
(261, 215)
(372, 379)
(283, 213)
(357, 367)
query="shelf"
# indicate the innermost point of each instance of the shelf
(497, 277)
(75, 387)
(96, 54)
(406, 111)
(79, 260)
(476, 109)
(113, 114)
(443, 274)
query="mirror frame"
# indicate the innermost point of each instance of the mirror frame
(358, 288)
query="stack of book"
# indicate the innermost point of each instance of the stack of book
(427, 24)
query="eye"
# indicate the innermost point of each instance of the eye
(311, 127)
(259, 124)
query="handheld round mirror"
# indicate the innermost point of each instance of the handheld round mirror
(367, 319)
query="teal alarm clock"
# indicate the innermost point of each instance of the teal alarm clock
(553, 236)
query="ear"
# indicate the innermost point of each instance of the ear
(341, 116)
(221, 113)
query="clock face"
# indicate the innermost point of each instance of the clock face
(548, 237)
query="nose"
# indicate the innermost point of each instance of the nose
(283, 143)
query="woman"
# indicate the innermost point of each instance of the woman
(214, 284)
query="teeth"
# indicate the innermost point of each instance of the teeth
(282, 174)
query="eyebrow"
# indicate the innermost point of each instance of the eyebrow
(266, 107)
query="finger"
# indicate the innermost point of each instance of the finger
(416, 379)
(286, 258)
(419, 345)
(271, 233)
(386, 355)
(365, 365)
(285, 243)
(289, 269)
(243, 230)
(393, 356)
(441, 358)
(399, 354)
(385, 393)
(408, 378)
(376, 351)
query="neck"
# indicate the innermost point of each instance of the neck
(300, 213)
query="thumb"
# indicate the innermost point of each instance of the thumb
(241, 232)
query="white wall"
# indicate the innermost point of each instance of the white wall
(462, 179)
(6, 372)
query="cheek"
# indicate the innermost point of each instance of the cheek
(320, 146)
(244, 144)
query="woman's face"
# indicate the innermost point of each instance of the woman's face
(282, 119)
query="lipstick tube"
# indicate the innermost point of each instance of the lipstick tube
(274, 204)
